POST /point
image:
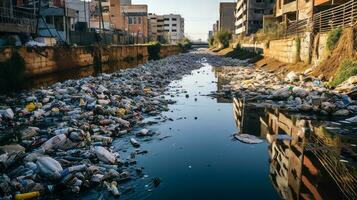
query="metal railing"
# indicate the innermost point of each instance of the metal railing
(24, 19)
(344, 15)
(297, 27)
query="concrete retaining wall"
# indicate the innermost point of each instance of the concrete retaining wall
(283, 50)
(311, 51)
(42, 60)
(319, 51)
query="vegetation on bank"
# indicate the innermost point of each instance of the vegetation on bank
(348, 68)
(12, 73)
(332, 38)
(185, 45)
(221, 39)
(154, 50)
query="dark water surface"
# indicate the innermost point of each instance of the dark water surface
(201, 160)
(196, 156)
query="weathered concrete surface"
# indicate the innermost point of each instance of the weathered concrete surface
(42, 60)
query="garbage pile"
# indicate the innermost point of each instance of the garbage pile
(58, 139)
(293, 93)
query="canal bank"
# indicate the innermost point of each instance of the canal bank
(169, 127)
(27, 67)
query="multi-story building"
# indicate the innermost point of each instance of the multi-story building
(135, 19)
(249, 15)
(226, 16)
(291, 10)
(166, 27)
(215, 27)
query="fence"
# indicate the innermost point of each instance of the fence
(105, 38)
(24, 21)
(344, 15)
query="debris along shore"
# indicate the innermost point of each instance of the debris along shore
(58, 140)
(292, 93)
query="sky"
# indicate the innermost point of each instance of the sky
(200, 15)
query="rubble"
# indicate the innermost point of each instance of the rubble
(293, 92)
(66, 132)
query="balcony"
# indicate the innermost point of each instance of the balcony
(17, 21)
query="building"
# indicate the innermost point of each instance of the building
(166, 28)
(226, 16)
(135, 20)
(215, 27)
(291, 10)
(15, 19)
(57, 22)
(96, 21)
(249, 15)
(83, 11)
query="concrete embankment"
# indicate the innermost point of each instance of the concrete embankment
(44, 60)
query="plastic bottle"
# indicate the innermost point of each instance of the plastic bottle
(29, 195)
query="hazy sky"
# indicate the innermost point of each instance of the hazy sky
(199, 15)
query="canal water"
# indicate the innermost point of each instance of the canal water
(196, 156)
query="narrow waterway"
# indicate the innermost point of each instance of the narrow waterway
(201, 160)
(194, 154)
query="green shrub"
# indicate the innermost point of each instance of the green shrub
(185, 45)
(12, 73)
(346, 69)
(242, 54)
(211, 41)
(332, 38)
(223, 37)
(154, 50)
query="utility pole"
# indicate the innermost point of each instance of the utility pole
(38, 15)
(65, 21)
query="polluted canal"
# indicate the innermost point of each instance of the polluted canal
(174, 129)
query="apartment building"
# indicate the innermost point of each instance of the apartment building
(170, 28)
(226, 16)
(134, 19)
(291, 10)
(249, 15)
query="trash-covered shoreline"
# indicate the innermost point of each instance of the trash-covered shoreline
(58, 140)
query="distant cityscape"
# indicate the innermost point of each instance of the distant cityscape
(81, 21)
(247, 17)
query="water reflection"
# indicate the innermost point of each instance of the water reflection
(308, 159)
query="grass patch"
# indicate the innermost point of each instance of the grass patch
(185, 45)
(222, 38)
(242, 54)
(332, 38)
(346, 69)
(12, 73)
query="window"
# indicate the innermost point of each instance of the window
(135, 20)
(174, 30)
(139, 20)
(174, 19)
(174, 24)
(130, 20)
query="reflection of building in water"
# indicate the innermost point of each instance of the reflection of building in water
(305, 160)
(247, 118)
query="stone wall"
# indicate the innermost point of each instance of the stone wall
(42, 60)
(311, 51)
(284, 50)
(319, 51)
